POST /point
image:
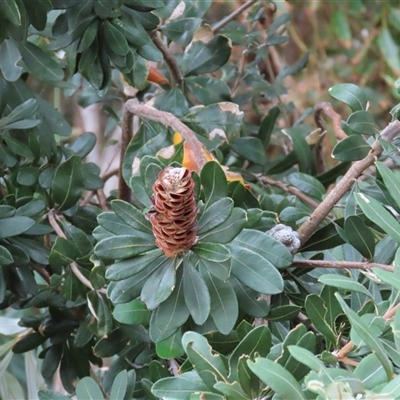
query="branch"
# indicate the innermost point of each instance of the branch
(219, 25)
(168, 120)
(74, 266)
(345, 184)
(340, 264)
(336, 118)
(170, 60)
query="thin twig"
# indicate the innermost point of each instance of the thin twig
(107, 175)
(102, 199)
(87, 198)
(74, 266)
(308, 228)
(169, 120)
(336, 118)
(170, 60)
(291, 189)
(42, 272)
(340, 264)
(220, 24)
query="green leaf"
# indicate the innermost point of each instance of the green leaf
(307, 184)
(370, 371)
(179, 387)
(88, 389)
(268, 124)
(197, 297)
(14, 226)
(209, 366)
(255, 271)
(17, 147)
(249, 300)
(119, 386)
(11, 12)
(278, 378)
(22, 111)
(173, 101)
(250, 148)
(181, 30)
(352, 148)
(372, 342)
(256, 342)
(350, 94)
(362, 122)
(9, 58)
(213, 180)
(100, 309)
(392, 388)
(317, 311)
(233, 390)
(391, 180)
(63, 252)
(213, 252)
(389, 49)
(51, 395)
(200, 87)
(123, 246)
(150, 52)
(284, 312)
(266, 246)
(128, 289)
(344, 282)
(115, 39)
(40, 63)
(360, 236)
(127, 268)
(216, 214)
(159, 285)
(84, 144)
(115, 225)
(226, 232)
(111, 344)
(213, 119)
(379, 215)
(202, 58)
(307, 358)
(324, 238)
(133, 313)
(171, 314)
(68, 183)
(224, 306)
(393, 279)
(170, 347)
(5, 256)
(302, 150)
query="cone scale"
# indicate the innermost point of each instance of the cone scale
(174, 211)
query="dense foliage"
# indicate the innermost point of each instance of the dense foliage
(255, 299)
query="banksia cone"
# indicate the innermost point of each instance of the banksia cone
(173, 215)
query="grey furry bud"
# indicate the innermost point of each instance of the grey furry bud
(287, 236)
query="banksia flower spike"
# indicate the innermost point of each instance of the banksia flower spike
(174, 210)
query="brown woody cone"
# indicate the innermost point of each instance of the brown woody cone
(173, 215)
